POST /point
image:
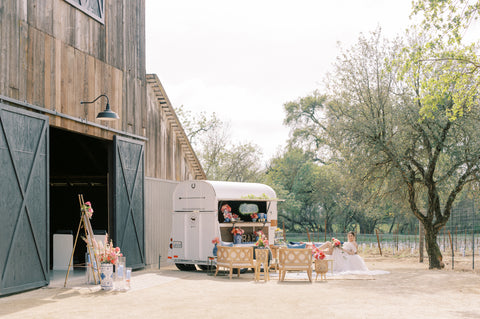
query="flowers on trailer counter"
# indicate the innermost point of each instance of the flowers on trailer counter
(237, 231)
(216, 240)
(226, 209)
(254, 216)
(262, 240)
(106, 252)
(87, 209)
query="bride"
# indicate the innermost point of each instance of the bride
(345, 258)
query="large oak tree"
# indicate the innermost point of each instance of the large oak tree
(371, 121)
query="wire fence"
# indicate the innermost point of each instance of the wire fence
(459, 240)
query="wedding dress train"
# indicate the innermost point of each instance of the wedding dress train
(344, 263)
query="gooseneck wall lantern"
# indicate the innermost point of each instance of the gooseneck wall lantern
(108, 114)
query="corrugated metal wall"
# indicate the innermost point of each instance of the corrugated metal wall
(158, 218)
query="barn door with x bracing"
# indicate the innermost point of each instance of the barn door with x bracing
(24, 200)
(129, 200)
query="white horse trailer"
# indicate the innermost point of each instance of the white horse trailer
(197, 218)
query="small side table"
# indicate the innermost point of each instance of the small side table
(321, 268)
(211, 265)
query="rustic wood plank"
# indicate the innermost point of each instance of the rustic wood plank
(79, 86)
(38, 68)
(49, 72)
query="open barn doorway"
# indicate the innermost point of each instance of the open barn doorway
(79, 164)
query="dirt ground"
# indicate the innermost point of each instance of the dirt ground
(409, 290)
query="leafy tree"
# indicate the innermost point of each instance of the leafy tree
(442, 49)
(312, 190)
(450, 17)
(221, 158)
(372, 124)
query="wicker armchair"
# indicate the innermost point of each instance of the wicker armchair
(234, 257)
(294, 259)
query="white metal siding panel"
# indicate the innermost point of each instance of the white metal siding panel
(158, 218)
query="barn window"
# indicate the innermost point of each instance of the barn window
(93, 8)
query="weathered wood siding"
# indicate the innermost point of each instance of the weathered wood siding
(53, 55)
(169, 154)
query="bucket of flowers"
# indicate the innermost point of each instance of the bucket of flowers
(107, 254)
(237, 235)
(321, 265)
(254, 217)
(235, 218)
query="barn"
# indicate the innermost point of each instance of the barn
(79, 115)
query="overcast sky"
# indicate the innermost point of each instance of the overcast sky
(244, 59)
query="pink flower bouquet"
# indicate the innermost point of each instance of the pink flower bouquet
(237, 231)
(106, 252)
(262, 241)
(336, 243)
(87, 209)
(317, 253)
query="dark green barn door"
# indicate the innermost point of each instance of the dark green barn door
(129, 200)
(24, 200)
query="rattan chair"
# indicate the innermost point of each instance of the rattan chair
(261, 257)
(294, 259)
(234, 257)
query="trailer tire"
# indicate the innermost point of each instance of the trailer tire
(186, 267)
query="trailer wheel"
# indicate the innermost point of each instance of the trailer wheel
(186, 267)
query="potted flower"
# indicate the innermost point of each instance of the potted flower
(107, 254)
(321, 265)
(262, 240)
(254, 217)
(87, 209)
(215, 241)
(237, 235)
(259, 234)
(226, 210)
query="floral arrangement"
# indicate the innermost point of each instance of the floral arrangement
(237, 231)
(234, 216)
(262, 240)
(87, 209)
(216, 240)
(226, 210)
(336, 243)
(317, 253)
(254, 216)
(106, 252)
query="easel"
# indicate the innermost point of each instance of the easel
(85, 222)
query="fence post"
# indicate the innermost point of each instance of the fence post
(451, 246)
(420, 240)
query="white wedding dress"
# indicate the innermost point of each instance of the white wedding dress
(346, 264)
